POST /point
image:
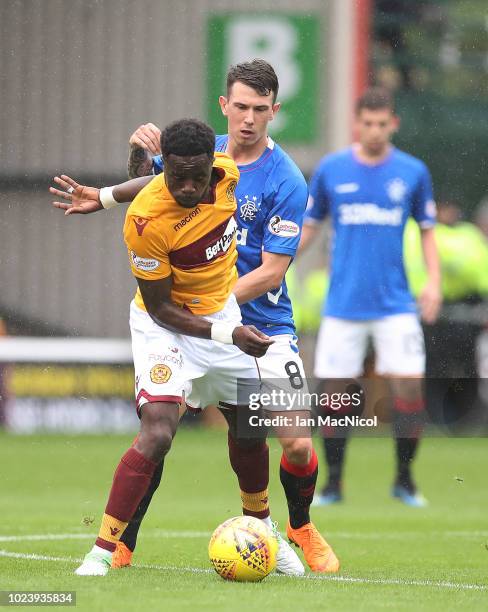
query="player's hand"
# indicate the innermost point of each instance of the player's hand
(430, 302)
(251, 341)
(147, 137)
(82, 200)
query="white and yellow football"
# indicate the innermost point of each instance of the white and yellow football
(243, 549)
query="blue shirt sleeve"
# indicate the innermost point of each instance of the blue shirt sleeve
(284, 219)
(318, 202)
(157, 164)
(423, 206)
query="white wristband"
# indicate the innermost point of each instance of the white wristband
(222, 332)
(107, 199)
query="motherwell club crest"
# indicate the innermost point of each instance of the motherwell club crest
(231, 190)
(160, 373)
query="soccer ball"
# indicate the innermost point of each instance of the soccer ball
(244, 549)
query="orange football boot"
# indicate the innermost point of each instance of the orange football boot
(122, 556)
(318, 554)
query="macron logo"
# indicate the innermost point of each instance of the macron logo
(369, 214)
(187, 219)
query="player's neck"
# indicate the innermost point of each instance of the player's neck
(246, 154)
(369, 157)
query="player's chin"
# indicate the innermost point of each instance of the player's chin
(187, 203)
(247, 138)
(376, 147)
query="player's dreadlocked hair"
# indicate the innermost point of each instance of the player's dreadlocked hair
(257, 74)
(375, 98)
(188, 137)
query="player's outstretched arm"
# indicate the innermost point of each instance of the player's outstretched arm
(83, 200)
(157, 300)
(144, 143)
(80, 199)
(430, 298)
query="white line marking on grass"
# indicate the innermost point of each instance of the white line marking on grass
(163, 533)
(466, 534)
(399, 582)
(155, 533)
(165, 568)
(201, 570)
(34, 557)
(47, 536)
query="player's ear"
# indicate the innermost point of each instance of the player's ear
(223, 105)
(275, 108)
(396, 123)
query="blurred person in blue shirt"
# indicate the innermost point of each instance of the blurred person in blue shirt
(370, 190)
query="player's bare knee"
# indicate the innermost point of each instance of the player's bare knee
(297, 450)
(154, 441)
(158, 426)
(162, 438)
(407, 388)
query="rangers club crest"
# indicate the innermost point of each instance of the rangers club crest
(249, 208)
(396, 190)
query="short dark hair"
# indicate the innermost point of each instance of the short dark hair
(188, 137)
(375, 98)
(257, 74)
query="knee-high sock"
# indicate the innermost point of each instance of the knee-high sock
(299, 484)
(131, 481)
(250, 462)
(335, 442)
(335, 450)
(408, 424)
(129, 537)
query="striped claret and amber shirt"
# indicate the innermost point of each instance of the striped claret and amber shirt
(196, 246)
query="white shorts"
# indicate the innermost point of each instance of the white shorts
(398, 342)
(170, 366)
(281, 368)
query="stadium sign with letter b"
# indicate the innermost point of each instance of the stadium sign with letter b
(290, 43)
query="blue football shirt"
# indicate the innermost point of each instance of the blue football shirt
(369, 206)
(271, 199)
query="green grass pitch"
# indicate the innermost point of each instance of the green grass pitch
(393, 557)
